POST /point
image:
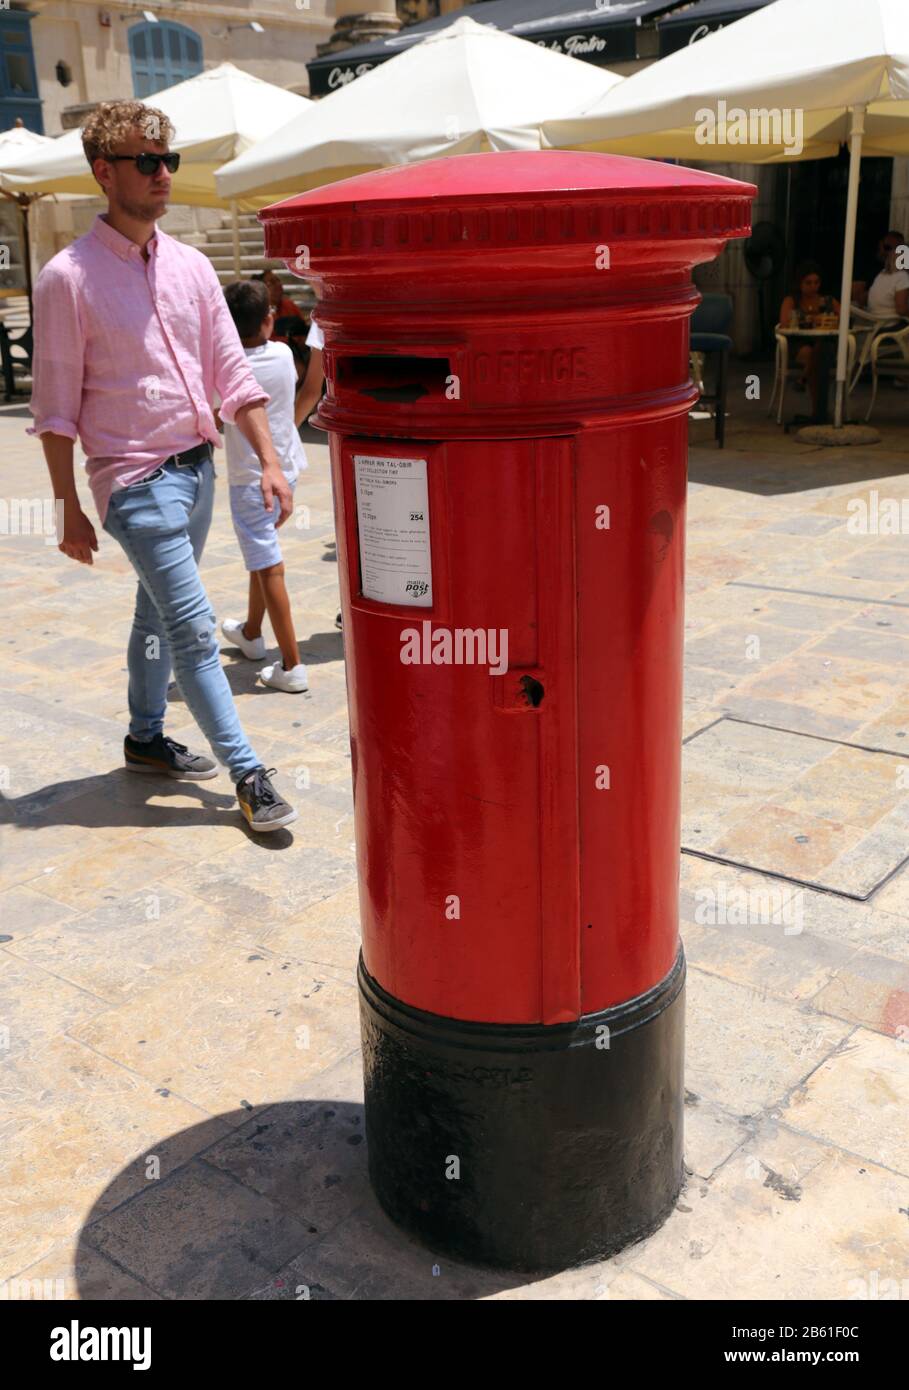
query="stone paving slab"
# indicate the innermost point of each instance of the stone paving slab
(180, 1082)
(709, 890)
(771, 1224)
(797, 805)
(89, 1134)
(857, 1098)
(230, 1235)
(242, 1030)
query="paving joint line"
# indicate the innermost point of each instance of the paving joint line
(813, 593)
(841, 1148)
(111, 1259)
(788, 878)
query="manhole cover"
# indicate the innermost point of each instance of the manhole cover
(827, 814)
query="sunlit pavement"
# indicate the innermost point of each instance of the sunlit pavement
(181, 1093)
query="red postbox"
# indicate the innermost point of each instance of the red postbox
(506, 355)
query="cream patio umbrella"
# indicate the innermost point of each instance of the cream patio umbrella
(794, 80)
(217, 115)
(463, 90)
(14, 143)
(17, 139)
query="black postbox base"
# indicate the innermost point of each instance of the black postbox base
(522, 1146)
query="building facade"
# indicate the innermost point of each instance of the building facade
(59, 57)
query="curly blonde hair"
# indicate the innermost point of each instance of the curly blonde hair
(114, 121)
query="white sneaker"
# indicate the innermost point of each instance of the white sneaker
(233, 631)
(293, 681)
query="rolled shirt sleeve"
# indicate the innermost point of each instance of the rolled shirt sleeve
(58, 358)
(233, 377)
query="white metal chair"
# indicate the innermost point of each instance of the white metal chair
(780, 373)
(783, 370)
(889, 356)
(867, 326)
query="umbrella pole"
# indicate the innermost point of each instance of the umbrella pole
(842, 347)
(24, 204)
(23, 201)
(235, 216)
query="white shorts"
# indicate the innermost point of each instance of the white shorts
(255, 527)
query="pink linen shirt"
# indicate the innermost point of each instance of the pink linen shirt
(129, 353)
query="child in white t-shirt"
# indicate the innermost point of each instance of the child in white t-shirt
(309, 391)
(273, 366)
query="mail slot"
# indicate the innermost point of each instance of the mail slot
(393, 378)
(506, 348)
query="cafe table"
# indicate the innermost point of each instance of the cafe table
(825, 341)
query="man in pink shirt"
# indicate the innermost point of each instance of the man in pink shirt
(132, 340)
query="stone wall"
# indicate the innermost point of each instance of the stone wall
(728, 274)
(415, 11)
(55, 222)
(97, 52)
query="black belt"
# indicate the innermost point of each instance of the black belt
(201, 453)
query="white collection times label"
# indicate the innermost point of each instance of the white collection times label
(393, 516)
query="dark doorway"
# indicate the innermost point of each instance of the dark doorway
(817, 215)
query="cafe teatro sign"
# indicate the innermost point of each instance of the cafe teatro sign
(590, 47)
(574, 45)
(339, 77)
(702, 31)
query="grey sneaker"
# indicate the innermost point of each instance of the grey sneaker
(168, 759)
(263, 808)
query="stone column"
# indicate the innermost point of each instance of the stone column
(355, 24)
(379, 9)
(728, 274)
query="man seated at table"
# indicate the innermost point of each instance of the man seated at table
(888, 294)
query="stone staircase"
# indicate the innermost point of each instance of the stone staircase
(217, 243)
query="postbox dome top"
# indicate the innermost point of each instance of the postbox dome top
(511, 194)
(518, 173)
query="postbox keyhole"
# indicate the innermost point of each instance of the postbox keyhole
(533, 690)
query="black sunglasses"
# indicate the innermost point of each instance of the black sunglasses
(150, 163)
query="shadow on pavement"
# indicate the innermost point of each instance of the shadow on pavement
(321, 649)
(279, 1208)
(787, 473)
(762, 459)
(119, 797)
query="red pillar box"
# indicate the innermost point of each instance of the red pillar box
(506, 352)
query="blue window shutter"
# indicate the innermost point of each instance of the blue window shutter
(162, 55)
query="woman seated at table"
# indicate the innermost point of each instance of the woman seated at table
(806, 307)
